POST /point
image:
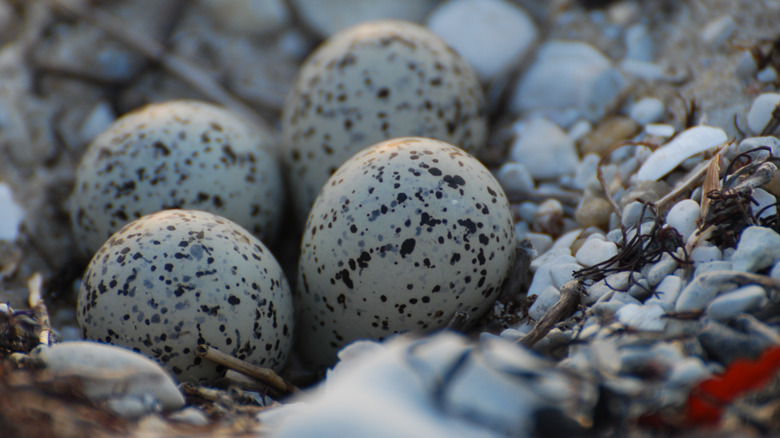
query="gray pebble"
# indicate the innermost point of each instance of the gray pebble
(731, 304)
(544, 302)
(758, 248)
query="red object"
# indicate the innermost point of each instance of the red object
(708, 398)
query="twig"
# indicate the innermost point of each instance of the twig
(265, 375)
(571, 293)
(458, 322)
(178, 66)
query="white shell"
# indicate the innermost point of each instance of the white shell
(405, 234)
(181, 154)
(172, 280)
(373, 82)
(687, 144)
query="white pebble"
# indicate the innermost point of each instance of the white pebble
(744, 299)
(647, 110)
(569, 75)
(659, 130)
(746, 65)
(549, 296)
(541, 242)
(595, 251)
(12, 215)
(766, 203)
(772, 142)
(639, 44)
(644, 70)
(256, 17)
(683, 216)
(768, 74)
(515, 178)
(761, 111)
(688, 143)
(656, 272)
(490, 34)
(705, 252)
(666, 292)
(579, 129)
(718, 31)
(758, 248)
(632, 213)
(686, 372)
(642, 317)
(775, 271)
(562, 274)
(544, 148)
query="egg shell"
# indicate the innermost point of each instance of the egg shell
(179, 154)
(405, 234)
(373, 82)
(175, 279)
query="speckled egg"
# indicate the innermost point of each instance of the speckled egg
(402, 236)
(180, 154)
(372, 82)
(178, 278)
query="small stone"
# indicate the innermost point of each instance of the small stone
(647, 110)
(607, 133)
(705, 252)
(666, 292)
(134, 384)
(544, 148)
(715, 265)
(772, 142)
(595, 251)
(764, 204)
(257, 17)
(552, 256)
(586, 173)
(562, 274)
(698, 294)
(549, 218)
(662, 130)
(569, 75)
(642, 317)
(639, 43)
(12, 215)
(540, 242)
(544, 302)
(579, 129)
(718, 31)
(760, 112)
(643, 70)
(683, 216)
(731, 304)
(660, 269)
(635, 210)
(593, 211)
(746, 65)
(726, 344)
(768, 74)
(490, 34)
(687, 372)
(515, 178)
(757, 248)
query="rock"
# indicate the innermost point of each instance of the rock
(540, 242)
(515, 178)
(726, 344)
(666, 292)
(731, 304)
(608, 133)
(593, 211)
(594, 251)
(562, 273)
(12, 215)
(687, 372)
(773, 143)
(544, 148)
(258, 17)
(129, 383)
(647, 110)
(698, 294)
(760, 112)
(660, 269)
(643, 70)
(642, 317)
(757, 248)
(549, 218)
(660, 130)
(492, 35)
(544, 302)
(586, 173)
(688, 143)
(632, 213)
(764, 205)
(569, 75)
(683, 216)
(639, 43)
(767, 75)
(705, 252)
(718, 31)
(340, 14)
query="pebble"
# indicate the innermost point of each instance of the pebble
(772, 142)
(544, 148)
(562, 273)
(642, 317)
(683, 216)
(685, 145)
(515, 178)
(647, 110)
(686, 372)
(607, 133)
(633, 211)
(718, 31)
(639, 44)
(775, 271)
(12, 215)
(726, 344)
(731, 304)
(767, 75)
(595, 251)
(586, 173)
(705, 252)
(698, 294)
(712, 266)
(760, 112)
(569, 75)
(549, 296)
(130, 384)
(643, 70)
(764, 205)
(340, 14)
(579, 129)
(757, 248)
(656, 272)
(666, 292)
(540, 242)
(549, 218)
(593, 211)
(492, 35)
(254, 17)
(661, 130)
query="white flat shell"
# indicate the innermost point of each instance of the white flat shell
(687, 144)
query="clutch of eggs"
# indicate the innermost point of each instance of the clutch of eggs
(405, 234)
(372, 82)
(172, 280)
(179, 154)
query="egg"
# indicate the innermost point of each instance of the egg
(373, 82)
(172, 280)
(179, 154)
(404, 235)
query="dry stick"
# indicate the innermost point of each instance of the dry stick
(571, 294)
(266, 375)
(180, 67)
